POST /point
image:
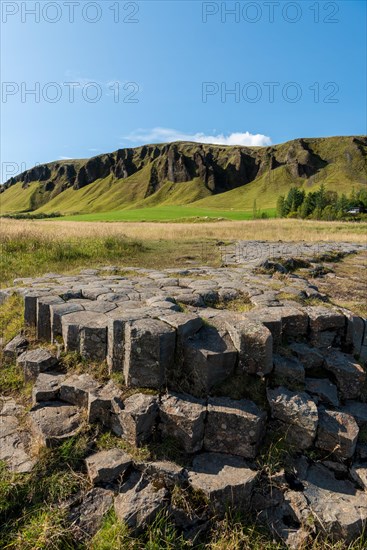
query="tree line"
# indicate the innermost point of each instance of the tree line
(322, 204)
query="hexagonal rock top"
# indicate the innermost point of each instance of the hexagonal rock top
(52, 422)
(107, 466)
(225, 480)
(35, 361)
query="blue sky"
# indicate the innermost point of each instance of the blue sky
(163, 70)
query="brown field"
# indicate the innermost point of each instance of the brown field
(271, 230)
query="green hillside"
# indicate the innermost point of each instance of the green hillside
(214, 179)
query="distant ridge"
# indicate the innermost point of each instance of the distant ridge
(188, 173)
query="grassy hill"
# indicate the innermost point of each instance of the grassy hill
(186, 180)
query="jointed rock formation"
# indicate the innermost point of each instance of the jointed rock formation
(221, 381)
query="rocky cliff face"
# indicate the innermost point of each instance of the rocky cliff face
(220, 168)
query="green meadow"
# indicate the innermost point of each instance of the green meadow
(170, 213)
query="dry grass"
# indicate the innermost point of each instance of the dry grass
(348, 284)
(272, 230)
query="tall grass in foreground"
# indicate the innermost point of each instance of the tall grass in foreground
(272, 230)
(28, 253)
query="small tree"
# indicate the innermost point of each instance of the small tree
(255, 212)
(281, 207)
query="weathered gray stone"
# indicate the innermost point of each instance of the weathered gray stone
(294, 322)
(99, 409)
(227, 481)
(56, 313)
(271, 319)
(135, 419)
(185, 324)
(339, 510)
(72, 324)
(117, 320)
(363, 355)
(44, 316)
(99, 306)
(358, 473)
(14, 442)
(107, 466)
(350, 376)
(30, 307)
(93, 340)
(182, 417)
(53, 422)
(324, 318)
(165, 306)
(288, 517)
(190, 299)
(92, 292)
(115, 344)
(87, 517)
(298, 414)
(234, 427)
(337, 433)
(47, 387)
(288, 372)
(209, 358)
(15, 347)
(36, 361)
(311, 358)
(149, 353)
(254, 343)
(354, 332)
(76, 389)
(357, 410)
(323, 389)
(138, 506)
(168, 473)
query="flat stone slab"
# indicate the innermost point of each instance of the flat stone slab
(15, 347)
(227, 481)
(87, 517)
(14, 441)
(107, 466)
(325, 318)
(168, 473)
(338, 508)
(76, 388)
(138, 506)
(35, 361)
(47, 387)
(53, 422)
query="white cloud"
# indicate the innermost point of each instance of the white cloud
(65, 158)
(158, 135)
